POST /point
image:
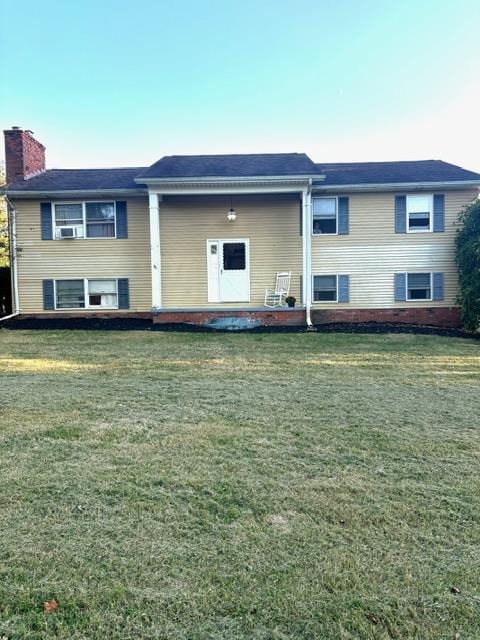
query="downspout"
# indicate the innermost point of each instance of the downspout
(307, 251)
(12, 232)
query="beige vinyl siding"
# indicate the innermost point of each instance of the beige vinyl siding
(83, 258)
(271, 223)
(372, 252)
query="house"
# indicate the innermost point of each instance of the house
(197, 238)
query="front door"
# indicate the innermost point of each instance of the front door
(228, 270)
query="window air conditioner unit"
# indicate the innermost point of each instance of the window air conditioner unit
(69, 232)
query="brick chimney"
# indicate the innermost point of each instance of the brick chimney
(24, 156)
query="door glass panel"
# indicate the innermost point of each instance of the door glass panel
(234, 256)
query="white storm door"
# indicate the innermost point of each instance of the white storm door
(234, 277)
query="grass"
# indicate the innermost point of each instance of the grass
(194, 486)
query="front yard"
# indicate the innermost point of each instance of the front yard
(202, 486)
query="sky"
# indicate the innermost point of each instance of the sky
(122, 83)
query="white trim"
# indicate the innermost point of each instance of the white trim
(336, 288)
(84, 203)
(430, 217)
(155, 250)
(398, 186)
(85, 294)
(307, 252)
(407, 299)
(336, 215)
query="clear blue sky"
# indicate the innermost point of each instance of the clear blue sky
(116, 82)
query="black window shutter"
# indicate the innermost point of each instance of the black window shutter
(400, 214)
(400, 286)
(122, 219)
(46, 221)
(301, 218)
(343, 288)
(438, 212)
(48, 295)
(123, 294)
(438, 286)
(343, 215)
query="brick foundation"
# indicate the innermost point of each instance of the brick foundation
(268, 318)
(426, 316)
(430, 316)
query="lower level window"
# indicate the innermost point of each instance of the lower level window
(102, 293)
(325, 288)
(86, 294)
(419, 286)
(70, 294)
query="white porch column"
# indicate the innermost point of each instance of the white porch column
(155, 256)
(307, 251)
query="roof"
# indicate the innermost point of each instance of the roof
(79, 180)
(345, 173)
(245, 165)
(239, 165)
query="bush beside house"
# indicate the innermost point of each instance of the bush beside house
(468, 261)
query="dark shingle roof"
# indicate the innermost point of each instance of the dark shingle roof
(79, 180)
(274, 164)
(241, 165)
(343, 173)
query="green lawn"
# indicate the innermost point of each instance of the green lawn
(267, 486)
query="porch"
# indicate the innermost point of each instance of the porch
(209, 266)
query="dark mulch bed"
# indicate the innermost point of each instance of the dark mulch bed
(137, 324)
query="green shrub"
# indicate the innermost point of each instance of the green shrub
(468, 260)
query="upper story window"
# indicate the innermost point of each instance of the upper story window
(84, 220)
(419, 213)
(325, 214)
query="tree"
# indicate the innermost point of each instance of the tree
(4, 254)
(468, 260)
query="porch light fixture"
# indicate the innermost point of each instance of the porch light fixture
(231, 215)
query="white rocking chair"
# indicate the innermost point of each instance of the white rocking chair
(276, 297)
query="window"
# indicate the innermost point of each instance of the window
(88, 219)
(101, 294)
(69, 215)
(100, 218)
(419, 286)
(419, 212)
(70, 294)
(324, 215)
(325, 288)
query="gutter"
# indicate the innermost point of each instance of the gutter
(12, 232)
(77, 193)
(397, 186)
(194, 180)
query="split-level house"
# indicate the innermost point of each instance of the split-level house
(198, 238)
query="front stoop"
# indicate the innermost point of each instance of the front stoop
(234, 319)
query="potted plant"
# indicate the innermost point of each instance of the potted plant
(290, 300)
